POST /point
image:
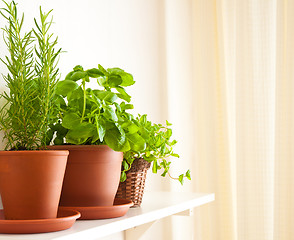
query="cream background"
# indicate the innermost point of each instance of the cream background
(131, 35)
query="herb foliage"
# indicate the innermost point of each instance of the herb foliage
(158, 151)
(95, 116)
(31, 79)
(100, 116)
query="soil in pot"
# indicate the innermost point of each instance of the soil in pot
(31, 182)
(92, 175)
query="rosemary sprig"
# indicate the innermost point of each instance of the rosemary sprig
(31, 79)
(46, 70)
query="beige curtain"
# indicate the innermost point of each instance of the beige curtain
(235, 112)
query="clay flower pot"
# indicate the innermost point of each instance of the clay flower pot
(31, 182)
(92, 175)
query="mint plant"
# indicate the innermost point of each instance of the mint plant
(31, 79)
(159, 148)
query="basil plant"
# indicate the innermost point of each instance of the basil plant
(97, 116)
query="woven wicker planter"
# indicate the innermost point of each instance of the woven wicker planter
(133, 188)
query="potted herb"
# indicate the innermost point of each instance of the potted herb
(159, 148)
(93, 121)
(30, 179)
(90, 126)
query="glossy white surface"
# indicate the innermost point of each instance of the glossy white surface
(156, 205)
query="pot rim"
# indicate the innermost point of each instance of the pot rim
(36, 152)
(78, 147)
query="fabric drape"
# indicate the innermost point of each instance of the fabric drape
(240, 110)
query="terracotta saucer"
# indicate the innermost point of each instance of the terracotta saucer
(65, 219)
(119, 208)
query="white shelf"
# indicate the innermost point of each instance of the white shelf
(156, 205)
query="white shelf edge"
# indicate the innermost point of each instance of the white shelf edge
(134, 221)
(108, 227)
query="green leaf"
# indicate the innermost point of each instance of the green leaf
(76, 105)
(109, 113)
(109, 97)
(163, 150)
(101, 129)
(129, 106)
(145, 134)
(125, 165)
(68, 76)
(143, 119)
(109, 125)
(125, 106)
(114, 80)
(137, 143)
(102, 81)
(58, 141)
(117, 71)
(181, 179)
(102, 70)
(164, 173)
(94, 73)
(71, 120)
(127, 78)
(57, 99)
(132, 128)
(130, 160)
(168, 123)
(188, 174)
(117, 106)
(97, 102)
(87, 79)
(75, 141)
(126, 146)
(95, 137)
(80, 133)
(65, 86)
(175, 155)
(150, 158)
(123, 176)
(168, 133)
(75, 94)
(154, 166)
(115, 140)
(78, 75)
(120, 129)
(49, 136)
(159, 141)
(123, 95)
(78, 68)
(60, 130)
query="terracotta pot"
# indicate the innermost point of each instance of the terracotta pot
(31, 182)
(92, 175)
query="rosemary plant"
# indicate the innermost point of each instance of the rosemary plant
(31, 80)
